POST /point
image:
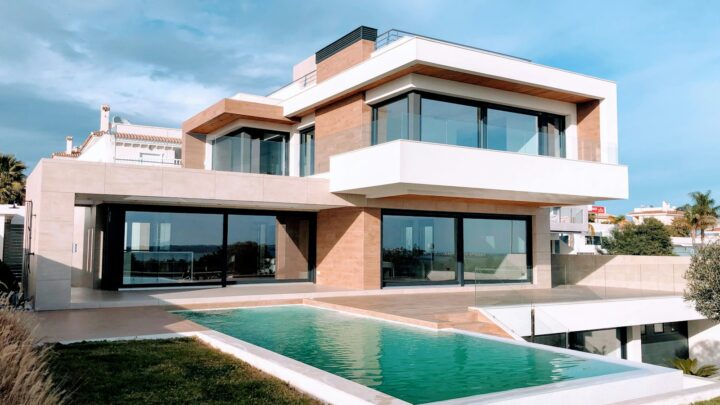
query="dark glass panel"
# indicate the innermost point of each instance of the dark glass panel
(250, 150)
(416, 248)
(307, 152)
(168, 247)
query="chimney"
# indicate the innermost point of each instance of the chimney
(68, 144)
(104, 117)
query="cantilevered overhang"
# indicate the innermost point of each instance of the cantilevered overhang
(453, 62)
(228, 110)
(420, 168)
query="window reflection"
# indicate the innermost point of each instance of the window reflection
(495, 250)
(512, 131)
(418, 248)
(449, 123)
(307, 152)
(391, 121)
(164, 247)
(251, 150)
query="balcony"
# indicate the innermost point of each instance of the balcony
(404, 167)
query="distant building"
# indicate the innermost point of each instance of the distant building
(574, 233)
(118, 141)
(665, 213)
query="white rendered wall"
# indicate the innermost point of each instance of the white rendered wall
(704, 341)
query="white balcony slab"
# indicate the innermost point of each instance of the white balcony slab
(405, 167)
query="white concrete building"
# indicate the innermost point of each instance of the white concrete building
(118, 141)
(665, 213)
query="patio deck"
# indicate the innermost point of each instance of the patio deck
(141, 313)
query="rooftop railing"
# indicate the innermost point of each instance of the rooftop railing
(308, 80)
(390, 36)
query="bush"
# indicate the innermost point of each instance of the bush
(650, 238)
(703, 281)
(24, 375)
(690, 367)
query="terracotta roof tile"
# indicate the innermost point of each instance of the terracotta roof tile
(149, 138)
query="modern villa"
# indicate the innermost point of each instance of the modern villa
(391, 163)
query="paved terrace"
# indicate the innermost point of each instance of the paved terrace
(110, 314)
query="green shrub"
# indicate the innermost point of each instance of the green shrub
(703, 281)
(650, 238)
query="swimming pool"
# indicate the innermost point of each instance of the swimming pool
(413, 364)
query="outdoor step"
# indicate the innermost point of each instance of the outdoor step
(467, 316)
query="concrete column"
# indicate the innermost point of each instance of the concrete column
(542, 271)
(52, 241)
(634, 343)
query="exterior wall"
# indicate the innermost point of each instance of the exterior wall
(704, 341)
(341, 127)
(588, 132)
(193, 151)
(348, 57)
(348, 248)
(657, 273)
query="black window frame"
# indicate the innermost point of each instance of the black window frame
(255, 131)
(415, 113)
(303, 155)
(113, 216)
(459, 245)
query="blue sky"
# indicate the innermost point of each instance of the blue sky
(159, 62)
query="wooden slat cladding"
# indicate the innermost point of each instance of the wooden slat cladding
(588, 130)
(228, 110)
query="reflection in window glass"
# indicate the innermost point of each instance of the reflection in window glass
(391, 121)
(250, 150)
(168, 247)
(307, 152)
(607, 342)
(512, 131)
(449, 123)
(268, 247)
(495, 250)
(416, 248)
(554, 137)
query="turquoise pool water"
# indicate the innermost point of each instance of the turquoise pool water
(413, 364)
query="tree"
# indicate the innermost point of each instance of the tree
(619, 220)
(12, 180)
(647, 239)
(679, 227)
(701, 213)
(703, 281)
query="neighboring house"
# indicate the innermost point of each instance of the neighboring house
(365, 172)
(118, 141)
(573, 232)
(665, 213)
(12, 220)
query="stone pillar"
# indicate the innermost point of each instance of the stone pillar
(348, 248)
(634, 343)
(542, 269)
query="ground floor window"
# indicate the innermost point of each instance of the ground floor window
(607, 342)
(428, 248)
(664, 342)
(152, 246)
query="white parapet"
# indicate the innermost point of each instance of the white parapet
(405, 167)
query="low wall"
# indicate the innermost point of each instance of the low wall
(657, 273)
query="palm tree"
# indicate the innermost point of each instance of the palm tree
(619, 220)
(12, 180)
(701, 213)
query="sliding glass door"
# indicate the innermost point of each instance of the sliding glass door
(252, 150)
(155, 246)
(427, 248)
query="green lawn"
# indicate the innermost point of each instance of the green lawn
(163, 372)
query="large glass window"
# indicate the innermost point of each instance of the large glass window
(607, 342)
(512, 131)
(418, 248)
(449, 123)
(390, 121)
(169, 247)
(251, 150)
(307, 152)
(268, 247)
(495, 250)
(453, 121)
(424, 248)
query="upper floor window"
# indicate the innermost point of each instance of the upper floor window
(433, 118)
(251, 150)
(307, 152)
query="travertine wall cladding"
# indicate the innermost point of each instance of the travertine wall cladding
(341, 127)
(657, 273)
(348, 248)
